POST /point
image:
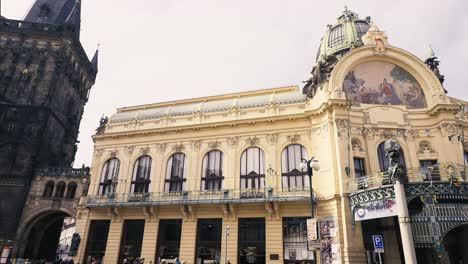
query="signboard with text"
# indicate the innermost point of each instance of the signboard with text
(379, 209)
(312, 229)
(378, 243)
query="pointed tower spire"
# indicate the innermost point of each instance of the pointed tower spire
(56, 12)
(95, 60)
(74, 18)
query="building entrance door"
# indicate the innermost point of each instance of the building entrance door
(168, 239)
(209, 234)
(97, 241)
(251, 240)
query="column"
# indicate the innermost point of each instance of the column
(274, 239)
(405, 226)
(187, 241)
(232, 242)
(150, 239)
(113, 242)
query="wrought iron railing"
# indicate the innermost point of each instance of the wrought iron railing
(199, 197)
(445, 172)
(65, 172)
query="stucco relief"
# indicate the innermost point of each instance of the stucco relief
(378, 82)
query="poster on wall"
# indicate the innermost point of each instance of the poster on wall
(5, 253)
(331, 253)
(378, 209)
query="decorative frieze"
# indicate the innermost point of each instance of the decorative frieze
(272, 138)
(252, 141)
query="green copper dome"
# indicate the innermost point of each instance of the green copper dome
(344, 35)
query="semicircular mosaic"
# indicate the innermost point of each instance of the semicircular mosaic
(384, 83)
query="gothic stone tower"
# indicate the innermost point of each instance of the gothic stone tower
(45, 80)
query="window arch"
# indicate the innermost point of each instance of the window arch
(175, 173)
(141, 174)
(71, 190)
(60, 190)
(110, 171)
(383, 159)
(49, 189)
(292, 176)
(212, 178)
(252, 173)
(337, 36)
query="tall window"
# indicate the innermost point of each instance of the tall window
(383, 159)
(291, 175)
(110, 171)
(141, 175)
(361, 29)
(337, 36)
(252, 169)
(49, 189)
(175, 172)
(212, 171)
(60, 190)
(359, 167)
(71, 190)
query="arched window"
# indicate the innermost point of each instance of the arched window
(175, 172)
(110, 171)
(252, 174)
(292, 176)
(383, 159)
(60, 190)
(337, 36)
(71, 190)
(141, 175)
(361, 29)
(212, 178)
(49, 189)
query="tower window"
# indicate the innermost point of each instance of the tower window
(359, 167)
(44, 11)
(361, 29)
(337, 36)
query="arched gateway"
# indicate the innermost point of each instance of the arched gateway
(46, 207)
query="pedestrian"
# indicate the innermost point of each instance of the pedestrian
(177, 261)
(93, 261)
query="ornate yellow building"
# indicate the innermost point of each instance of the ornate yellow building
(168, 179)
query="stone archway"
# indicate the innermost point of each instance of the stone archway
(38, 234)
(455, 243)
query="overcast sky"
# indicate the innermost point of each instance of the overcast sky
(160, 50)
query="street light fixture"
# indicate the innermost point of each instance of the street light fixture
(311, 165)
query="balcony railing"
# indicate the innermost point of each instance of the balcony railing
(64, 172)
(446, 172)
(199, 197)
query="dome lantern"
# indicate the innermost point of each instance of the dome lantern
(344, 35)
(338, 39)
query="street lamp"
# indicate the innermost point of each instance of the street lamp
(311, 165)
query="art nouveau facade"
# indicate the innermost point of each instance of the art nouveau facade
(168, 178)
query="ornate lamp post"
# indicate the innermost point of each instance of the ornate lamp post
(311, 165)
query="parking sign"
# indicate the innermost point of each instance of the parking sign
(378, 243)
